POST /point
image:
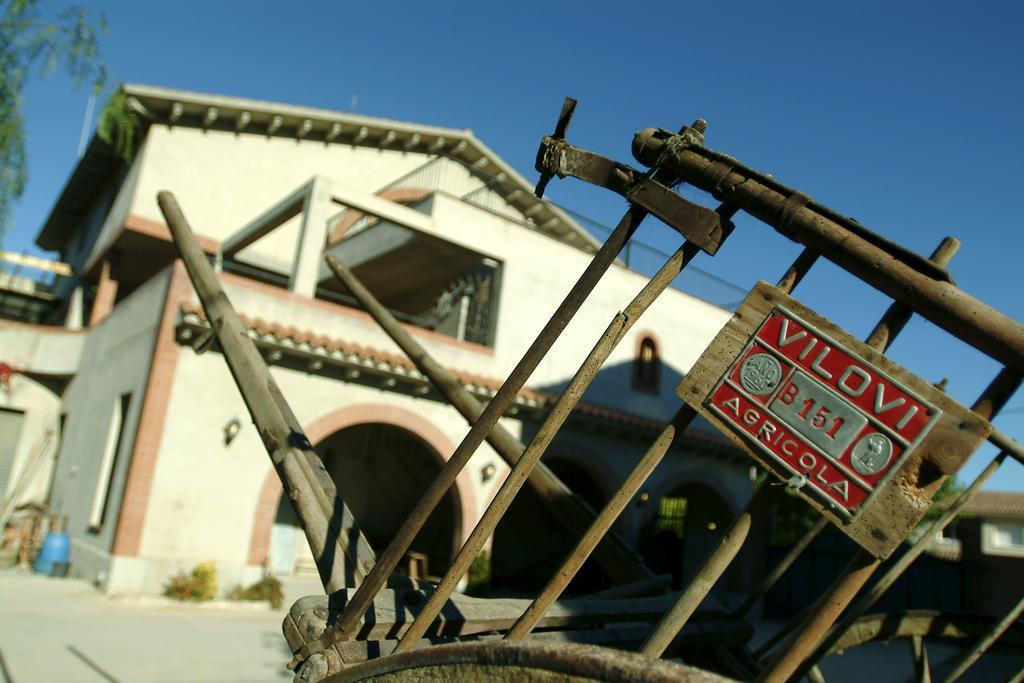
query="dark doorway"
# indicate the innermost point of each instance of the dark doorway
(530, 544)
(687, 525)
(381, 472)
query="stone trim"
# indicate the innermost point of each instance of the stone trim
(152, 418)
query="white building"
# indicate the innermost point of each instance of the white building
(443, 231)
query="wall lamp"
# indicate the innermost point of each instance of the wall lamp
(231, 429)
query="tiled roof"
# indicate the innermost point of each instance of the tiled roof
(313, 342)
(997, 504)
(329, 345)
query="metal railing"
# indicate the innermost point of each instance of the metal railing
(28, 285)
(475, 187)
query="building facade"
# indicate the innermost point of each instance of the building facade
(145, 443)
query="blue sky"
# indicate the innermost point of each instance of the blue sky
(906, 116)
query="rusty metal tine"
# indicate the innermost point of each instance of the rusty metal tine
(781, 634)
(798, 657)
(796, 272)
(997, 393)
(616, 330)
(890, 576)
(898, 314)
(564, 117)
(884, 333)
(985, 643)
(822, 615)
(849, 245)
(392, 555)
(781, 568)
(611, 511)
(561, 127)
(919, 653)
(342, 553)
(1007, 444)
(622, 563)
(720, 558)
(676, 426)
(669, 626)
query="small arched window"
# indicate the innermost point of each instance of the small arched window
(647, 366)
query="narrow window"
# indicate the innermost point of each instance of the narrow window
(1008, 535)
(647, 367)
(108, 466)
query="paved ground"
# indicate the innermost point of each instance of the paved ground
(64, 630)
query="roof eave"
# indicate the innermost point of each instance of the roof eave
(219, 112)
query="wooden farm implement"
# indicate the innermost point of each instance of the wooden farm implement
(861, 440)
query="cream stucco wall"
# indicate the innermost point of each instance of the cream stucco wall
(41, 349)
(223, 180)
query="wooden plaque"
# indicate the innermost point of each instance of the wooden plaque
(861, 439)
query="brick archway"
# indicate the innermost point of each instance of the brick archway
(270, 493)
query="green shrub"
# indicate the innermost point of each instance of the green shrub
(268, 588)
(199, 586)
(479, 576)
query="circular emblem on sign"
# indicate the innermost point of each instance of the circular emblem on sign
(760, 374)
(871, 454)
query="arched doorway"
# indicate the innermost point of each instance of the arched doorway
(687, 524)
(530, 545)
(381, 472)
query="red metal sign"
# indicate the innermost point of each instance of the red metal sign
(827, 416)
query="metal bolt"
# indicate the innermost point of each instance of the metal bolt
(700, 125)
(797, 482)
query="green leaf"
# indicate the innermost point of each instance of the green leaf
(27, 43)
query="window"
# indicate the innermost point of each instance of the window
(1003, 537)
(1007, 535)
(647, 366)
(672, 516)
(108, 466)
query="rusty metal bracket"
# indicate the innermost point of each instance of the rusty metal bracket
(562, 125)
(702, 226)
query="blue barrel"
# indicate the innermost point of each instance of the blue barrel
(55, 555)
